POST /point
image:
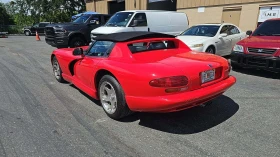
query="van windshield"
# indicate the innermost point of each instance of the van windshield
(268, 28)
(119, 19)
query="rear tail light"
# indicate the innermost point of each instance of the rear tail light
(173, 81)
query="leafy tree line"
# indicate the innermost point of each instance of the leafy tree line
(27, 12)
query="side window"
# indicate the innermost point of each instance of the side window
(233, 30)
(100, 49)
(224, 29)
(95, 20)
(36, 25)
(141, 20)
(43, 24)
(151, 46)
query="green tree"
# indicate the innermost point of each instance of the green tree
(5, 18)
(26, 12)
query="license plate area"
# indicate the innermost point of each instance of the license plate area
(207, 76)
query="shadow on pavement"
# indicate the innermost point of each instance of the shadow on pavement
(97, 102)
(189, 121)
(260, 73)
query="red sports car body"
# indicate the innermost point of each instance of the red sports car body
(144, 71)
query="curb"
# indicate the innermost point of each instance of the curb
(15, 34)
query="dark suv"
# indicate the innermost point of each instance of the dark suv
(39, 27)
(76, 33)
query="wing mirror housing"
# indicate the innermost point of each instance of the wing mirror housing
(78, 52)
(249, 32)
(223, 35)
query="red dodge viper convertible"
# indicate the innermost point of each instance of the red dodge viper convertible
(144, 72)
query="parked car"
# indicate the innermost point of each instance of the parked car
(261, 49)
(143, 71)
(3, 33)
(76, 33)
(39, 27)
(212, 38)
(168, 22)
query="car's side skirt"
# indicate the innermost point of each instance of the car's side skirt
(89, 91)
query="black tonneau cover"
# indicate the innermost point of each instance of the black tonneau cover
(130, 36)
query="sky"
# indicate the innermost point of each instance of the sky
(5, 1)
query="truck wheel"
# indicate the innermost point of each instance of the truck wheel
(76, 42)
(27, 33)
(235, 67)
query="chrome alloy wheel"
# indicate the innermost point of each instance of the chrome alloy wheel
(108, 97)
(56, 69)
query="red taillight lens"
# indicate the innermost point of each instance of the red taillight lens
(173, 81)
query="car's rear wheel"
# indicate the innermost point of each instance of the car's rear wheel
(112, 98)
(57, 70)
(77, 42)
(211, 50)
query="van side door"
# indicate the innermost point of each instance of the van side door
(139, 23)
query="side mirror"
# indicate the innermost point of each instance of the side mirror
(78, 52)
(135, 23)
(249, 32)
(223, 35)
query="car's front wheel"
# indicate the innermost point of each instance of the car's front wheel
(235, 67)
(57, 70)
(112, 97)
(27, 33)
(77, 42)
(211, 50)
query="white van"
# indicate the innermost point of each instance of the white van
(168, 22)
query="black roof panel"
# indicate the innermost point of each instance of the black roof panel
(130, 36)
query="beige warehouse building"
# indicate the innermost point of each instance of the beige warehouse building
(246, 14)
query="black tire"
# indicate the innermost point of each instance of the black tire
(235, 67)
(77, 42)
(27, 33)
(121, 109)
(57, 70)
(210, 49)
(60, 47)
(276, 75)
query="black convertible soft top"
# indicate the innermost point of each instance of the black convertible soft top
(130, 36)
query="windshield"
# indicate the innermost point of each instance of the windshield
(268, 28)
(119, 19)
(82, 19)
(202, 30)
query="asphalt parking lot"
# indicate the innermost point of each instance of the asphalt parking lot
(41, 117)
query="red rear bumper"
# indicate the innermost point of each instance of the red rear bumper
(181, 101)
